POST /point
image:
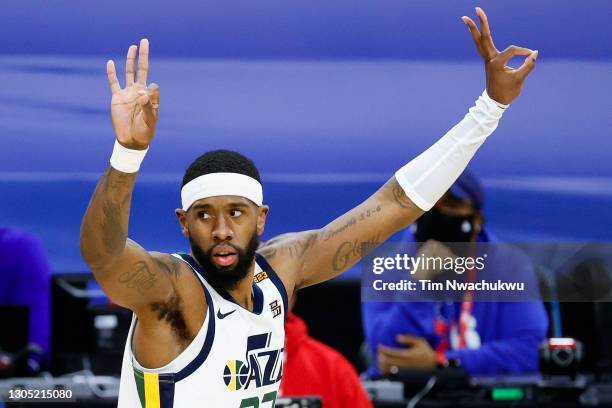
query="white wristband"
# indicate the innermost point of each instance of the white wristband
(427, 177)
(127, 160)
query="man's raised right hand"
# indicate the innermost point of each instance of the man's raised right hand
(135, 108)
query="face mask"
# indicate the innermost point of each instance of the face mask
(444, 228)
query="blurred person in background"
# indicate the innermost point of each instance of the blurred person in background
(313, 368)
(25, 281)
(481, 337)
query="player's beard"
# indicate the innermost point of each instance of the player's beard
(225, 277)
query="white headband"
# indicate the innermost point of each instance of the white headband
(218, 184)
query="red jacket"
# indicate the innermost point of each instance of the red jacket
(312, 368)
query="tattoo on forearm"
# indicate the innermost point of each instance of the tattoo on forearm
(139, 277)
(114, 181)
(327, 234)
(117, 183)
(351, 251)
(370, 212)
(330, 233)
(400, 196)
(117, 189)
(113, 235)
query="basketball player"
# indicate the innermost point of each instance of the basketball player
(208, 326)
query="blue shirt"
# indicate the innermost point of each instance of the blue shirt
(510, 332)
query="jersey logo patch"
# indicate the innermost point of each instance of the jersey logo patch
(262, 366)
(260, 276)
(276, 308)
(224, 315)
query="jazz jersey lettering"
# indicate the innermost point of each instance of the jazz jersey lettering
(235, 360)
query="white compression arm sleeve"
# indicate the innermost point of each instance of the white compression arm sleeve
(426, 178)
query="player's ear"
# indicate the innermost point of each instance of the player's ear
(182, 219)
(262, 213)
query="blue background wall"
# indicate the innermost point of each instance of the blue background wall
(328, 98)
(302, 28)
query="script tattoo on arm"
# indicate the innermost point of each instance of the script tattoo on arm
(139, 277)
(350, 237)
(350, 252)
(318, 255)
(329, 233)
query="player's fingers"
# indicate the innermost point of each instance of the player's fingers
(407, 340)
(485, 38)
(390, 360)
(507, 54)
(153, 92)
(390, 352)
(143, 61)
(112, 76)
(473, 31)
(528, 65)
(383, 364)
(149, 112)
(129, 66)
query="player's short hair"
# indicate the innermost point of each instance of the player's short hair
(221, 161)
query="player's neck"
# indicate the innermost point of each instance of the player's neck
(243, 291)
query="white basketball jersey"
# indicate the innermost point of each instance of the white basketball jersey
(235, 360)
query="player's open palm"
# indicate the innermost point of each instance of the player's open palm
(135, 108)
(503, 82)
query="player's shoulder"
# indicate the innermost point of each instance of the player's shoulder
(169, 263)
(285, 255)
